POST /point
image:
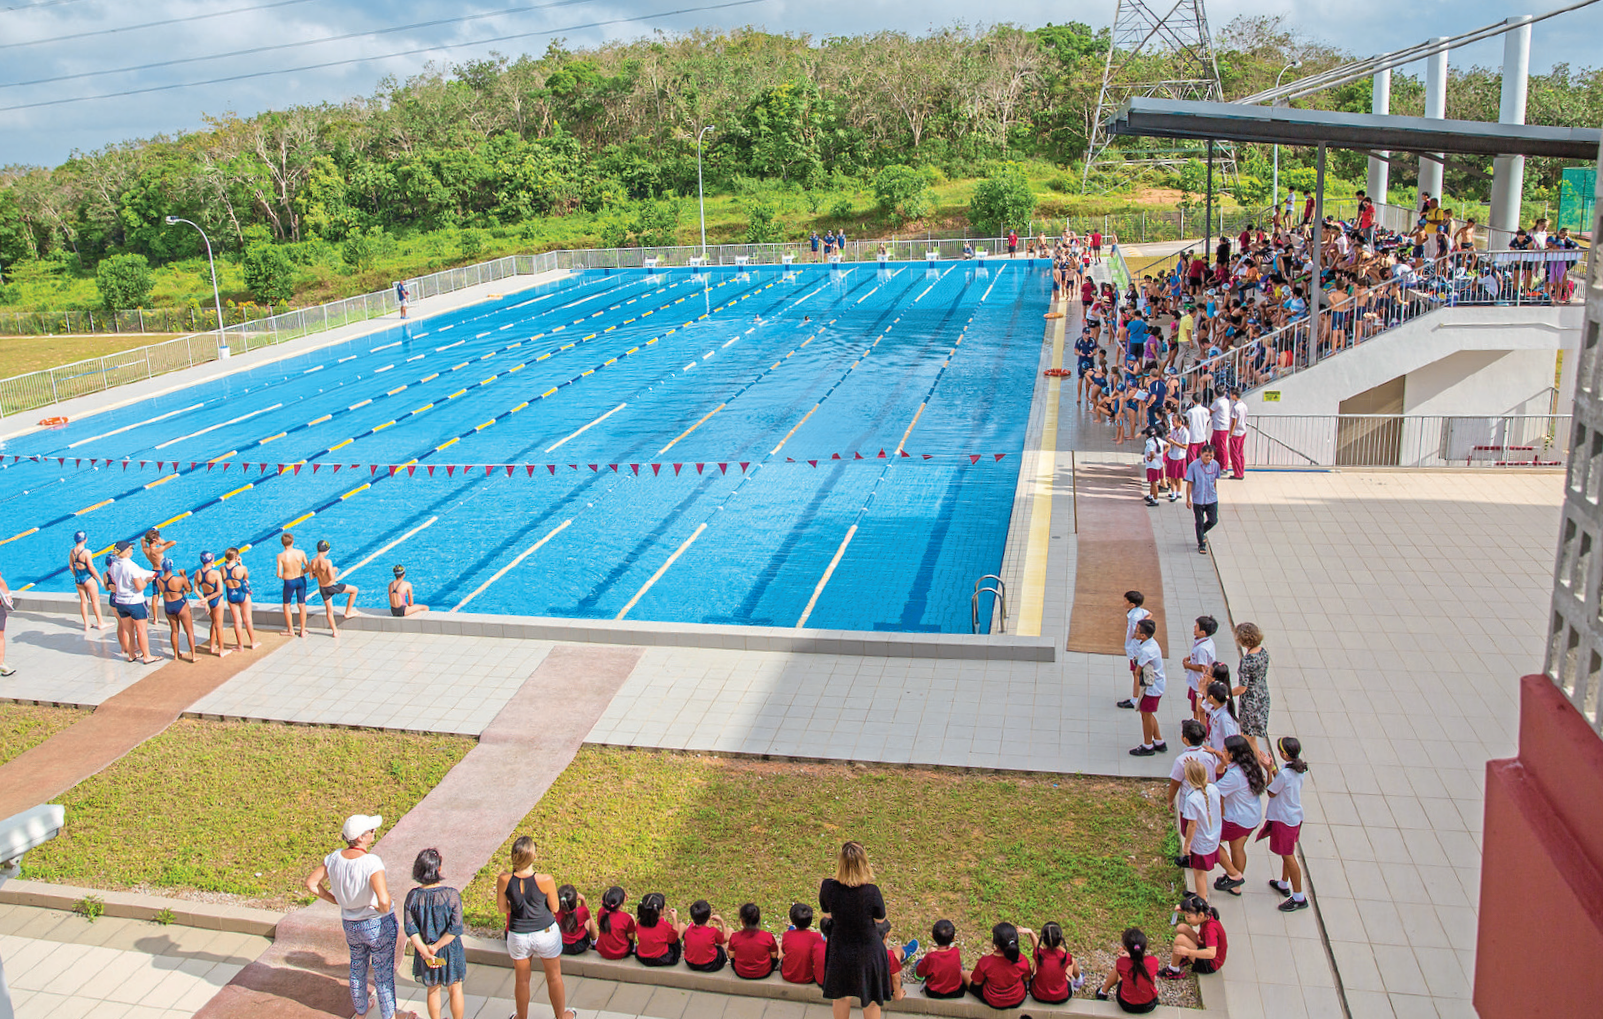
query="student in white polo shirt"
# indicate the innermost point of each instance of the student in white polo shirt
(1193, 743)
(1133, 614)
(1150, 684)
(1199, 663)
(1197, 427)
(1202, 819)
(1240, 787)
(1238, 435)
(1283, 822)
(1219, 422)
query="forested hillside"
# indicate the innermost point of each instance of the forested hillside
(604, 140)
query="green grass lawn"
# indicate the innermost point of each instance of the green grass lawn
(1089, 853)
(234, 807)
(25, 726)
(22, 354)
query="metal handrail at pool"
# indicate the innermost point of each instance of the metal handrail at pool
(48, 386)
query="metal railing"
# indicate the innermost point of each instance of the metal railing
(133, 321)
(1466, 278)
(1408, 440)
(52, 385)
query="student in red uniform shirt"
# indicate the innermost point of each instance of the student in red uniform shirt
(573, 919)
(896, 957)
(1002, 978)
(797, 945)
(942, 966)
(657, 936)
(752, 949)
(1200, 940)
(704, 939)
(818, 960)
(1133, 980)
(612, 928)
(1056, 972)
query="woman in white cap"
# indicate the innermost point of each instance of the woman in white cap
(353, 879)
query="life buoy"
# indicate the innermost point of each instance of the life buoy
(1053, 314)
(1057, 373)
(53, 423)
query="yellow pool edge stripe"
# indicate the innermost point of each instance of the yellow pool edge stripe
(1032, 599)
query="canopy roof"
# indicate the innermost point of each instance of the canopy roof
(1170, 118)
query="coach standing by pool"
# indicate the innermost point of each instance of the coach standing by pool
(127, 580)
(1202, 494)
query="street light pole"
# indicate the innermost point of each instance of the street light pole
(222, 327)
(701, 195)
(1276, 187)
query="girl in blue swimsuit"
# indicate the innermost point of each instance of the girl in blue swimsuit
(210, 579)
(236, 581)
(174, 587)
(87, 581)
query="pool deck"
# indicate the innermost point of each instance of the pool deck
(1396, 645)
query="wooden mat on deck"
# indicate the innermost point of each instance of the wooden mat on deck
(1116, 553)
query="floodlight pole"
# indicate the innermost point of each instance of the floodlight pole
(701, 195)
(222, 327)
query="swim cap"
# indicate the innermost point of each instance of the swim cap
(399, 570)
(78, 537)
(167, 565)
(323, 546)
(207, 557)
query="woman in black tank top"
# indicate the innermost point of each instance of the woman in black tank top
(529, 903)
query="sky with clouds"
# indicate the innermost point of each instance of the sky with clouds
(321, 32)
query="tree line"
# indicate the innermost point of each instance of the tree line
(502, 140)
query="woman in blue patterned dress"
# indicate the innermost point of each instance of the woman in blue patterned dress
(434, 926)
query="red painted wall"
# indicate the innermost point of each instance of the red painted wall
(1540, 947)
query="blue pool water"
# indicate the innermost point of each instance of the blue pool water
(621, 368)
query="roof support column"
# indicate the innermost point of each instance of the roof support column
(1430, 170)
(1508, 172)
(1379, 169)
(1316, 293)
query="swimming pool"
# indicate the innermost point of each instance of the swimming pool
(661, 446)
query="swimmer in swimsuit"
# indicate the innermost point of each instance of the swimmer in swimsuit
(292, 571)
(174, 587)
(327, 576)
(210, 580)
(87, 579)
(155, 549)
(401, 595)
(236, 591)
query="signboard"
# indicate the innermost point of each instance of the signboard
(1271, 396)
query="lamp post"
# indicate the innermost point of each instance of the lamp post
(701, 196)
(222, 327)
(1276, 187)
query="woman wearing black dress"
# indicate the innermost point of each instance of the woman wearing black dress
(855, 965)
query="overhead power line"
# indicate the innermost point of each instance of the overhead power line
(382, 56)
(1357, 69)
(298, 45)
(41, 3)
(149, 24)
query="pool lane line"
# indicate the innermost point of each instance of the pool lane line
(932, 286)
(873, 491)
(222, 424)
(423, 526)
(416, 461)
(586, 428)
(503, 571)
(748, 475)
(137, 424)
(876, 287)
(1032, 597)
(994, 281)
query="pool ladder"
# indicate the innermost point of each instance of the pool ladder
(999, 589)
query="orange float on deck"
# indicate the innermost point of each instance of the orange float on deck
(53, 423)
(1057, 373)
(1053, 314)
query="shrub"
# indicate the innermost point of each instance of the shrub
(760, 225)
(903, 193)
(269, 273)
(361, 251)
(1002, 200)
(124, 281)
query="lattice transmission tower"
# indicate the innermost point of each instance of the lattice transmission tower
(1162, 50)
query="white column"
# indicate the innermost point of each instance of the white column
(1430, 170)
(1508, 172)
(1380, 103)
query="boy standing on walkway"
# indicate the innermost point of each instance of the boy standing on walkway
(292, 571)
(1133, 615)
(1150, 683)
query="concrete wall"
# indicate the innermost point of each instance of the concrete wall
(1457, 361)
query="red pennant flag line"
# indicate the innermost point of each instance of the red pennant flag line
(392, 470)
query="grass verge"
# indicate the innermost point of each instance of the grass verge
(1089, 853)
(235, 808)
(22, 354)
(25, 726)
